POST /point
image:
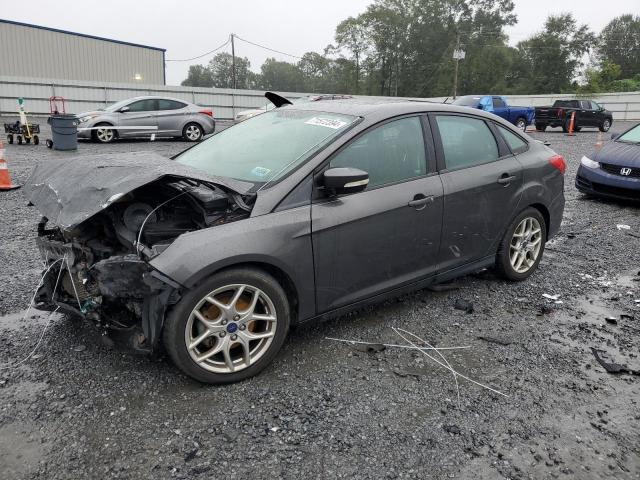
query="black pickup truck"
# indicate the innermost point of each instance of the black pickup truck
(587, 114)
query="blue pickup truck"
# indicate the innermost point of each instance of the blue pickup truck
(519, 116)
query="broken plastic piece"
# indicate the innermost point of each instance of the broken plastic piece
(551, 297)
(621, 226)
(609, 364)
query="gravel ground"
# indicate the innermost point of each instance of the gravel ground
(328, 410)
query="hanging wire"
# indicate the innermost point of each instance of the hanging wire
(203, 55)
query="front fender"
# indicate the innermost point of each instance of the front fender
(281, 240)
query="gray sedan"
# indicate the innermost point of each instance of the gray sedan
(146, 116)
(301, 213)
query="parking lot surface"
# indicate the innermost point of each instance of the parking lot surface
(325, 409)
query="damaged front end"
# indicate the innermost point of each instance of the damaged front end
(97, 250)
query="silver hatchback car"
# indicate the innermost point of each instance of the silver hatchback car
(145, 116)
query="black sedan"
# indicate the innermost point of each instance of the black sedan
(614, 170)
(304, 212)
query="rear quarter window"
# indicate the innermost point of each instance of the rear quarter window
(516, 143)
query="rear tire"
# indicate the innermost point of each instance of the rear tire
(522, 246)
(199, 322)
(521, 123)
(541, 127)
(10, 139)
(19, 138)
(36, 140)
(192, 132)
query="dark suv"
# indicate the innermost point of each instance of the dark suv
(586, 113)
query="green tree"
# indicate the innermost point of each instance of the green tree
(198, 76)
(619, 44)
(221, 68)
(352, 35)
(551, 59)
(281, 76)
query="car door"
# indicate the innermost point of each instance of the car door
(387, 235)
(481, 181)
(171, 116)
(500, 108)
(138, 118)
(585, 114)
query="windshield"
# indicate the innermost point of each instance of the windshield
(469, 101)
(267, 147)
(115, 106)
(632, 136)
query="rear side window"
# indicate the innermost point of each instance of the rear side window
(498, 102)
(516, 144)
(391, 153)
(170, 105)
(585, 105)
(143, 106)
(466, 141)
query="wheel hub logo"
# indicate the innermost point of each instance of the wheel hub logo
(232, 327)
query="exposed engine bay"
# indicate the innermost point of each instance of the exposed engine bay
(105, 273)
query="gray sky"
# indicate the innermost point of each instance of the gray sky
(190, 28)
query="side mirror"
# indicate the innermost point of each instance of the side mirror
(344, 180)
(124, 109)
(614, 136)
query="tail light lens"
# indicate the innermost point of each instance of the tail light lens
(558, 162)
(207, 112)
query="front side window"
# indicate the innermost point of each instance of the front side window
(466, 141)
(595, 106)
(516, 144)
(498, 102)
(143, 106)
(267, 147)
(391, 153)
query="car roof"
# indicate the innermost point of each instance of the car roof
(365, 107)
(156, 97)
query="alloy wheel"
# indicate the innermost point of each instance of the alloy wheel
(230, 328)
(105, 135)
(193, 132)
(606, 125)
(521, 124)
(525, 245)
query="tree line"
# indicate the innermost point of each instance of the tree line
(405, 48)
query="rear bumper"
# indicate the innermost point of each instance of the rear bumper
(595, 181)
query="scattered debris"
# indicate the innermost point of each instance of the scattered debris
(464, 305)
(411, 372)
(612, 320)
(79, 348)
(622, 226)
(626, 316)
(545, 309)
(452, 429)
(390, 345)
(554, 298)
(610, 365)
(191, 454)
(370, 348)
(499, 341)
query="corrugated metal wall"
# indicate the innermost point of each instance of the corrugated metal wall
(37, 52)
(84, 96)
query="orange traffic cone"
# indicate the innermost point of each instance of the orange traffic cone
(571, 125)
(5, 180)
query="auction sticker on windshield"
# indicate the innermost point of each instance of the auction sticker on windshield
(326, 122)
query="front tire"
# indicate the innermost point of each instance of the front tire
(522, 246)
(192, 132)
(104, 135)
(606, 125)
(229, 328)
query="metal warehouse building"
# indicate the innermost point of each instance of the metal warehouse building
(41, 52)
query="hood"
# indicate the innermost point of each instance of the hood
(70, 191)
(619, 153)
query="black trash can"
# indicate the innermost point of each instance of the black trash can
(64, 131)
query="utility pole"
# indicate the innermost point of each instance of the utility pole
(457, 56)
(233, 63)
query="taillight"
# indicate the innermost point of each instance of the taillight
(558, 162)
(207, 112)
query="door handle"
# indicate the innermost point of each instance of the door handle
(420, 201)
(506, 179)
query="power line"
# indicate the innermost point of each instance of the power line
(267, 48)
(204, 54)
